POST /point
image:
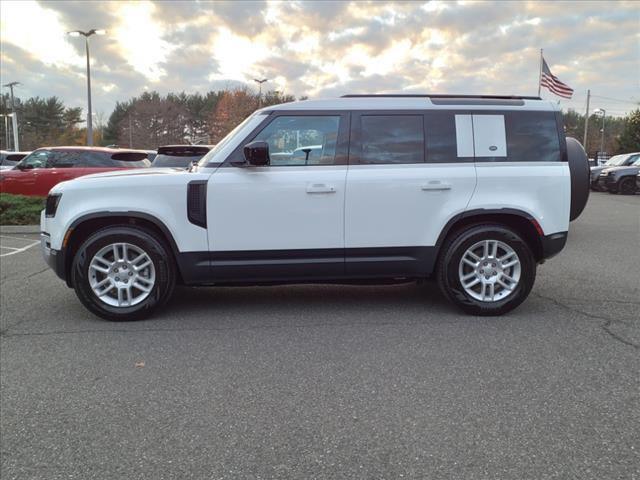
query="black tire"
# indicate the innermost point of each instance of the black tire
(627, 186)
(453, 250)
(580, 177)
(158, 252)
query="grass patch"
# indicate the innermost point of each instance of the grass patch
(20, 209)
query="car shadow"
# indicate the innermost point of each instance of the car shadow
(303, 301)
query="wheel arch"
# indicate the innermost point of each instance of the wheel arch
(522, 222)
(83, 226)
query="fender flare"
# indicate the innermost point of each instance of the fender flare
(133, 215)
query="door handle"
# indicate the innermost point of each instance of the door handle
(436, 185)
(320, 188)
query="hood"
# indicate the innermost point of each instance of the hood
(134, 172)
(628, 170)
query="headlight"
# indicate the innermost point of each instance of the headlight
(52, 205)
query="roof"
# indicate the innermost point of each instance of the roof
(420, 102)
(187, 146)
(93, 149)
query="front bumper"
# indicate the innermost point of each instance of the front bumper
(53, 258)
(606, 183)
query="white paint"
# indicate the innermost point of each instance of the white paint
(489, 137)
(161, 193)
(388, 206)
(276, 208)
(464, 136)
(541, 189)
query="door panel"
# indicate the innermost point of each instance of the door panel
(276, 208)
(283, 221)
(394, 212)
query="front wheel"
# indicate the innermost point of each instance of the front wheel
(627, 186)
(486, 269)
(123, 273)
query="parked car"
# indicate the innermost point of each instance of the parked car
(151, 155)
(8, 160)
(180, 156)
(43, 168)
(474, 191)
(620, 179)
(616, 161)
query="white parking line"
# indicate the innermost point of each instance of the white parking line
(18, 250)
(15, 238)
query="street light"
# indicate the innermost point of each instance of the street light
(602, 112)
(260, 82)
(86, 35)
(16, 141)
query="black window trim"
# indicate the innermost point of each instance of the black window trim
(342, 143)
(349, 135)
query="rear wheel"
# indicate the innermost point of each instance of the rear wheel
(123, 273)
(486, 269)
(627, 186)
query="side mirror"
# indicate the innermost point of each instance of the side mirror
(257, 153)
(22, 166)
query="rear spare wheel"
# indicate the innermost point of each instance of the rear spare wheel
(580, 177)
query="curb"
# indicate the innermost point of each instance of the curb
(19, 228)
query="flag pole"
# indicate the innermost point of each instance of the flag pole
(540, 73)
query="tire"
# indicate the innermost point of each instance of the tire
(580, 177)
(451, 267)
(152, 282)
(627, 186)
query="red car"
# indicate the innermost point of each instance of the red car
(38, 172)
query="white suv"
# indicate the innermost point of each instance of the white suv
(472, 190)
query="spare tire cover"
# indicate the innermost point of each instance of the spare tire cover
(580, 177)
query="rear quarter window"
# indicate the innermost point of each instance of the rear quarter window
(525, 136)
(532, 137)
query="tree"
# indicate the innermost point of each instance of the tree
(629, 140)
(233, 107)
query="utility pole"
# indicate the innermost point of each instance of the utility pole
(16, 141)
(586, 122)
(260, 82)
(77, 33)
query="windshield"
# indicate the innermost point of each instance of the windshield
(615, 161)
(231, 140)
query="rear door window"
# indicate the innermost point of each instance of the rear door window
(392, 139)
(66, 159)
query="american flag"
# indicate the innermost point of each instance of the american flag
(550, 81)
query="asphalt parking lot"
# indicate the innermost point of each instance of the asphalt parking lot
(331, 381)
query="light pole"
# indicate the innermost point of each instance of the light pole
(16, 141)
(602, 112)
(6, 130)
(260, 82)
(77, 33)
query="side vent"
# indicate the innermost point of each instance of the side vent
(197, 202)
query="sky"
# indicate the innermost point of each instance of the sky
(322, 49)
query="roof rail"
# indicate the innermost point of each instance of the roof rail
(414, 95)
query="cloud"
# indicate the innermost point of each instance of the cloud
(323, 48)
